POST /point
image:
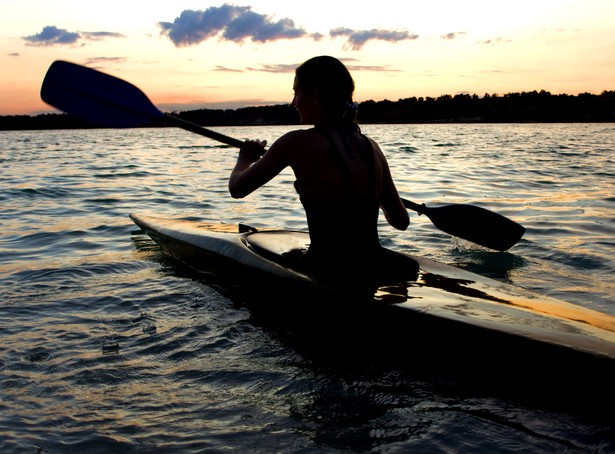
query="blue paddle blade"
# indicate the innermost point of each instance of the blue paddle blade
(97, 98)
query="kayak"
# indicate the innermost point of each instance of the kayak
(256, 262)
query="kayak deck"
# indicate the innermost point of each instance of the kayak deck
(438, 291)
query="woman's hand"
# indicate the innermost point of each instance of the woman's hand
(252, 150)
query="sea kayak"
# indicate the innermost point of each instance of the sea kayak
(256, 260)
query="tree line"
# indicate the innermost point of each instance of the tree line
(525, 107)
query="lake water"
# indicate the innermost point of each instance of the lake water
(108, 345)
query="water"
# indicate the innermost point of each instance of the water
(109, 345)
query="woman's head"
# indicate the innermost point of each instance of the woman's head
(328, 81)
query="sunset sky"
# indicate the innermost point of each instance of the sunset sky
(187, 54)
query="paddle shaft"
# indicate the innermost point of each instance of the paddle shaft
(170, 120)
(420, 209)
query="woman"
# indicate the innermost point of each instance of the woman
(342, 176)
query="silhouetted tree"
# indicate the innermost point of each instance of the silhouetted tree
(534, 106)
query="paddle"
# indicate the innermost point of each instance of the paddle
(472, 223)
(105, 100)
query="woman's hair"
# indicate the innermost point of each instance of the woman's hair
(328, 77)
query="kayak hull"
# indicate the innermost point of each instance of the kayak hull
(440, 302)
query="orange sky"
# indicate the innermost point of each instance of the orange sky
(191, 54)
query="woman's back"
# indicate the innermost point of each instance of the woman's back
(339, 183)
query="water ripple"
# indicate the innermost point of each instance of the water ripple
(107, 345)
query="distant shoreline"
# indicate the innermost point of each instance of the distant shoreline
(527, 107)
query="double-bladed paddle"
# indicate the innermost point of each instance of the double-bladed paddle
(105, 100)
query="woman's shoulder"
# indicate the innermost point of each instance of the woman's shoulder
(299, 134)
(374, 145)
(298, 138)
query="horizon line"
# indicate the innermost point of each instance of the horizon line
(241, 104)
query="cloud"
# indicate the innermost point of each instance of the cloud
(276, 68)
(100, 36)
(452, 35)
(231, 23)
(371, 68)
(98, 60)
(52, 36)
(495, 41)
(239, 24)
(14, 54)
(228, 70)
(260, 28)
(358, 38)
(290, 68)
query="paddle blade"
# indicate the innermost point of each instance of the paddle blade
(477, 225)
(97, 98)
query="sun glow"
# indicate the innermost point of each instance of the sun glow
(177, 57)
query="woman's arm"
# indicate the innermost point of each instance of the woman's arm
(249, 153)
(394, 210)
(253, 171)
